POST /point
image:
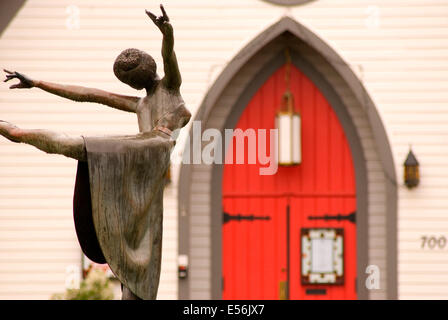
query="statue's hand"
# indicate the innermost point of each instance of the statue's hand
(25, 82)
(162, 22)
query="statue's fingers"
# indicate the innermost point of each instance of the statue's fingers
(20, 76)
(9, 77)
(16, 86)
(7, 71)
(165, 16)
(151, 15)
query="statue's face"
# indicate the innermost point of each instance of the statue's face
(135, 68)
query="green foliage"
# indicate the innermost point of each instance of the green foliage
(96, 286)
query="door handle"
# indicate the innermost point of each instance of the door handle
(283, 290)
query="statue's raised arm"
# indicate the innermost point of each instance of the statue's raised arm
(172, 78)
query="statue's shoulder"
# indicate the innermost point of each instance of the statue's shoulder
(159, 89)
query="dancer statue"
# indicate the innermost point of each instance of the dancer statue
(118, 199)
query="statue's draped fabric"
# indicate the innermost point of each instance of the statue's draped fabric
(126, 177)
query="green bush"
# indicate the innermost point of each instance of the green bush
(96, 286)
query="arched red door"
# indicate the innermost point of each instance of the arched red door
(282, 236)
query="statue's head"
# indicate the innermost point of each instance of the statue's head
(135, 68)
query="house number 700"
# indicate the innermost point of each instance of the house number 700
(432, 242)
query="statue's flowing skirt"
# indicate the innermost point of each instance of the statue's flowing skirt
(120, 220)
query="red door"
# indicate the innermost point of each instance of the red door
(268, 249)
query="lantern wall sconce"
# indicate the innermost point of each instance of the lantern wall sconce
(288, 124)
(411, 171)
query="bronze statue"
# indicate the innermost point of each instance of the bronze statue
(118, 199)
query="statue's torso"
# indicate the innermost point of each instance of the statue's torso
(156, 105)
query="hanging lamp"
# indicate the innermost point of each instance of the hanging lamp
(288, 124)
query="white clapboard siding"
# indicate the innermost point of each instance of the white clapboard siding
(401, 58)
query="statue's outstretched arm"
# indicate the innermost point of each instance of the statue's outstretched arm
(45, 140)
(172, 78)
(76, 93)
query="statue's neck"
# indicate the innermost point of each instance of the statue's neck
(150, 89)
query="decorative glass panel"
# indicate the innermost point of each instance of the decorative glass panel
(322, 256)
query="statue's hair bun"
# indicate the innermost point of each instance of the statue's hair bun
(135, 68)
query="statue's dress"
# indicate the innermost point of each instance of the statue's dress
(118, 206)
